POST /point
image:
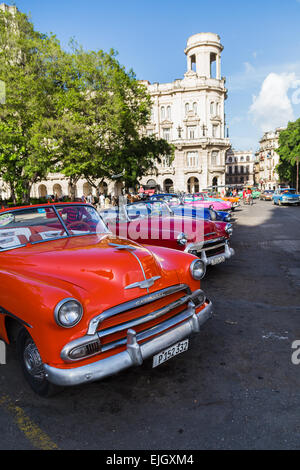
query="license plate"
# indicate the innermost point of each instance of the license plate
(170, 352)
(219, 259)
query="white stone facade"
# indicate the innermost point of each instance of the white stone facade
(267, 159)
(240, 167)
(190, 114)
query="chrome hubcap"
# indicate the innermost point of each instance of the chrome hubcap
(33, 361)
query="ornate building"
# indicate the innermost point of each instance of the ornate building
(240, 167)
(190, 114)
(267, 159)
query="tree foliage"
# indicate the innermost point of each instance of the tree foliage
(289, 151)
(24, 58)
(77, 112)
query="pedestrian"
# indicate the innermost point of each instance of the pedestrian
(102, 200)
(90, 198)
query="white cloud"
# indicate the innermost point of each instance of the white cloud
(272, 107)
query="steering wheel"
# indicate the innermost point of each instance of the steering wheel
(72, 225)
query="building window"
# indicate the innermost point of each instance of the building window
(192, 159)
(195, 108)
(248, 158)
(162, 112)
(214, 158)
(215, 131)
(167, 134)
(166, 161)
(212, 108)
(230, 170)
(191, 132)
(169, 113)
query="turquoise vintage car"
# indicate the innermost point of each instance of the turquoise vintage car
(287, 196)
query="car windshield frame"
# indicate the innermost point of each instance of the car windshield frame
(56, 207)
(148, 204)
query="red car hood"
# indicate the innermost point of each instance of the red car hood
(91, 263)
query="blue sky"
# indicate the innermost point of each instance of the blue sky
(261, 57)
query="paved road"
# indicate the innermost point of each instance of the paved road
(236, 388)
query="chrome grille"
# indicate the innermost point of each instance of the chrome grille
(152, 323)
(133, 304)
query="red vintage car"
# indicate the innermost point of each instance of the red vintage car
(82, 304)
(154, 223)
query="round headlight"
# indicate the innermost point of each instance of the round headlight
(68, 313)
(182, 239)
(229, 229)
(198, 269)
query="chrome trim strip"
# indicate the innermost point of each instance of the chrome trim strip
(134, 354)
(213, 247)
(131, 250)
(135, 303)
(182, 316)
(150, 316)
(143, 284)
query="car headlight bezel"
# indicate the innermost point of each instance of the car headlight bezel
(229, 229)
(198, 269)
(182, 239)
(76, 312)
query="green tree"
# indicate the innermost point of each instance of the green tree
(101, 111)
(25, 55)
(289, 151)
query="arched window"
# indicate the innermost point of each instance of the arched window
(195, 108)
(193, 185)
(169, 113)
(248, 158)
(187, 107)
(215, 181)
(162, 112)
(57, 191)
(212, 108)
(42, 191)
(168, 185)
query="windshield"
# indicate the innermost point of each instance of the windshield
(21, 226)
(147, 209)
(171, 199)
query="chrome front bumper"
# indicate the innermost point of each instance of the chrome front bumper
(207, 260)
(134, 355)
(290, 201)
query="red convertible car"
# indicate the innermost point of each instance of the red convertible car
(82, 304)
(154, 223)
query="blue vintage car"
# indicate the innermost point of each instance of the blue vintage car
(179, 208)
(287, 196)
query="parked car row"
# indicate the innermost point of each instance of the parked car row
(281, 196)
(85, 296)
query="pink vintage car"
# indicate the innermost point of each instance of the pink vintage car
(202, 201)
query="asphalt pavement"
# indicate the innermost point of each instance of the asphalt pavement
(235, 388)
